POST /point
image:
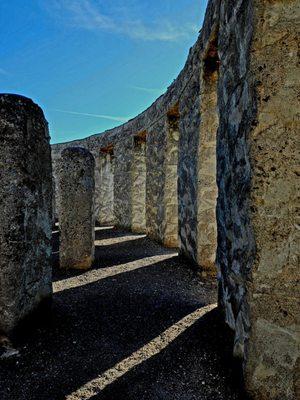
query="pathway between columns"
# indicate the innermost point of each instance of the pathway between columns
(141, 325)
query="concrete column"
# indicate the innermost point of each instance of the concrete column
(258, 156)
(77, 218)
(105, 187)
(162, 170)
(25, 209)
(123, 183)
(155, 181)
(189, 128)
(138, 176)
(170, 235)
(207, 190)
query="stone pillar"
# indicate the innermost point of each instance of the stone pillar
(258, 238)
(161, 191)
(25, 209)
(105, 187)
(54, 213)
(123, 183)
(189, 127)
(207, 191)
(155, 181)
(55, 161)
(139, 184)
(170, 234)
(77, 218)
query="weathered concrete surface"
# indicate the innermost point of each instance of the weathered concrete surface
(170, 201)
(104, 184)
(273, 291)
(257, 249)
(138, 176)
(25, 209)
(161, 182)
(123, 183)
(196, 227)
(207, 170)
(156, 147)
(76, 206)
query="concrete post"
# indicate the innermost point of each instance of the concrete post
(25, 209)
(77, 219)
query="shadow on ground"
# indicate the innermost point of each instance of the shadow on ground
(101, 320)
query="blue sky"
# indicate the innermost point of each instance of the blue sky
(93, 64)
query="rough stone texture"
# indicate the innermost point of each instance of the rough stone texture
(273, 291)
(170, 201)
(123, 183)
(156, 147)
(76, 209)
(138, 223)
(25, 209)
(54, 206)
(257, 191)
(193, 232)
(104, 183)
(161, 182)
(55, 209)
(207, 170)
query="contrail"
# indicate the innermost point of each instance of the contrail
(111, 118)
(148, 90)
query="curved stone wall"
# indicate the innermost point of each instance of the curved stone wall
(232, 97)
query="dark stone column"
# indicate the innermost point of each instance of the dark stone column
(25, 209)
(77, 218)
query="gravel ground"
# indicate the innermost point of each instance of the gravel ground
(141, 325)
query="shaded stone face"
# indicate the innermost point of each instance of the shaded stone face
(25, 209)
(76, 208)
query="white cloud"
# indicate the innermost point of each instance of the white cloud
(148, 90)
(102, 116)
(86, 14)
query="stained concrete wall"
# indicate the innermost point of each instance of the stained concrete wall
(25, 209)
(255, 134)
(104, 194)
